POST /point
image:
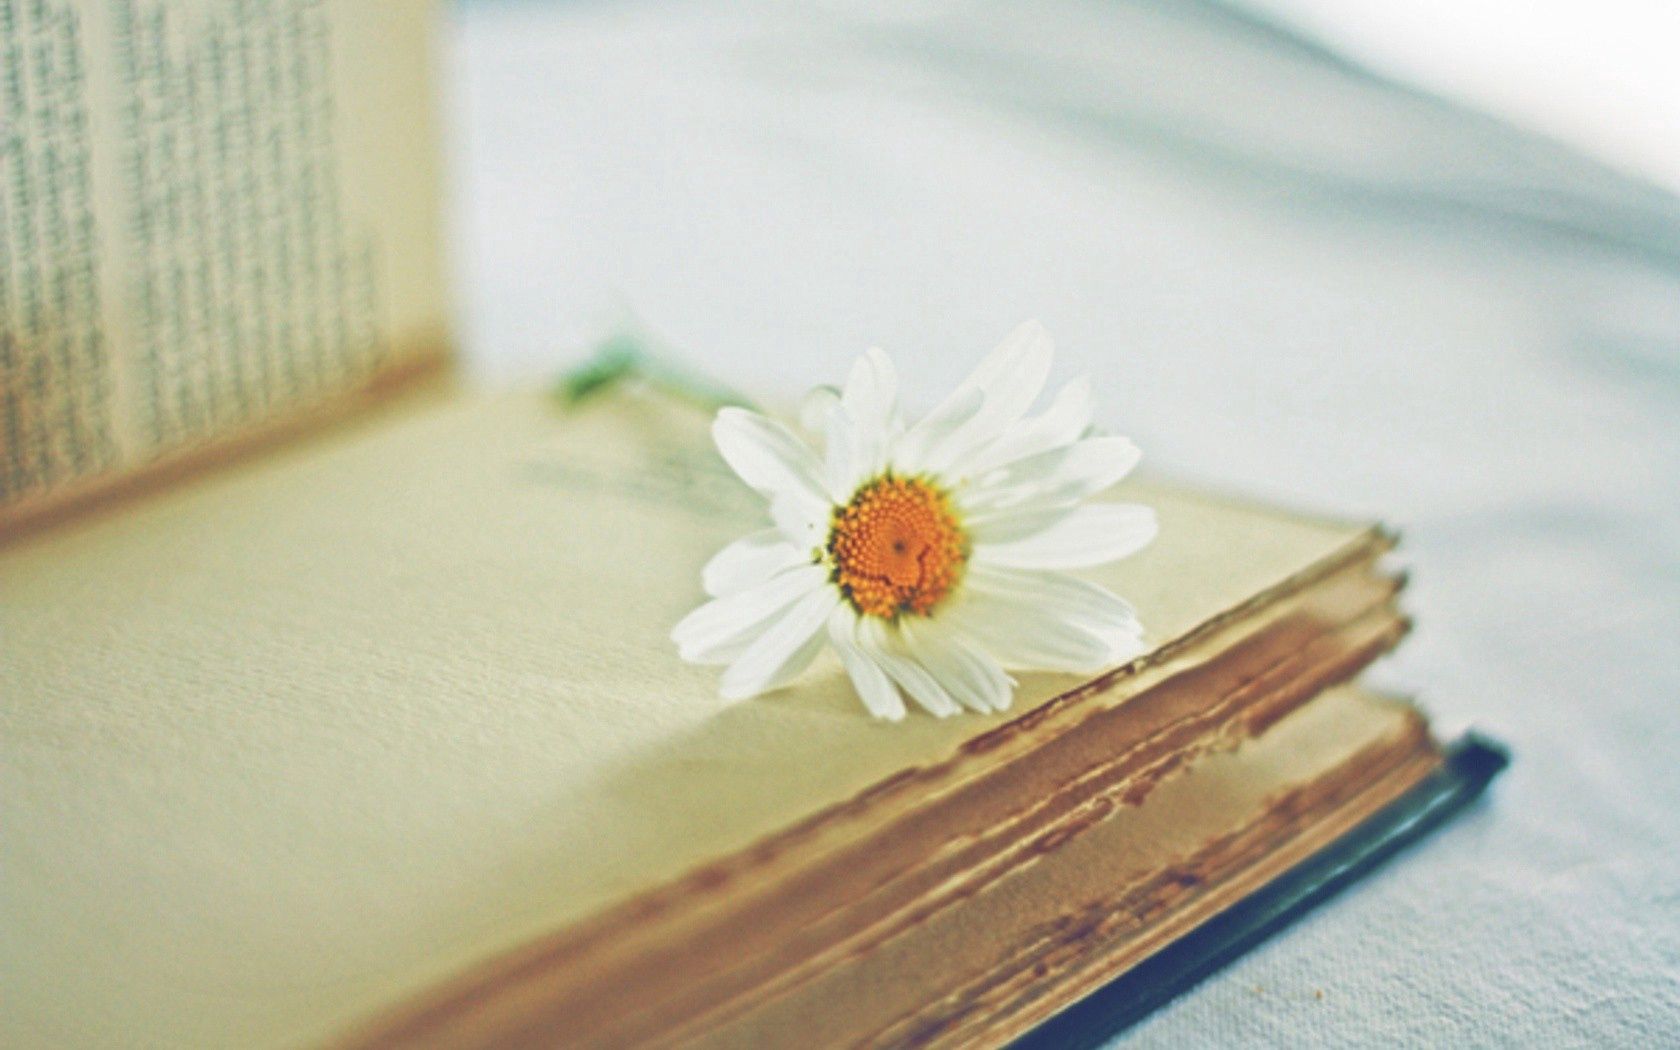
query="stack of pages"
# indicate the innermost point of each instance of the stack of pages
(750, 874)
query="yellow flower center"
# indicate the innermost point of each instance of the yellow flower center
(896, 547)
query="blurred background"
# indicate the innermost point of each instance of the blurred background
(1418, 262)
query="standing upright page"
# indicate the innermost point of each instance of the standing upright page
(218, 219)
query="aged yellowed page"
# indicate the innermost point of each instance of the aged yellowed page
(1099, 903)
(216, 217)
(298, 738)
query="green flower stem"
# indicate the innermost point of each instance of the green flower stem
(622, 359)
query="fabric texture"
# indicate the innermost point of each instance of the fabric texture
(1289, 278)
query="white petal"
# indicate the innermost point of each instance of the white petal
(971, 677)
(1089, 535)
(883, 645)
(862, 429)
(1066, 420)
(1058, 478)
(847, 453)
(1031, 639)
(1008, 381)
(927, 441)
(1013, 524)
(1093, 608)
(871, 399)
(785, 648)
(749, 561)
(873, 686)
(715, 631)
(813, 408)
(1013, 374)
(801, 519)
(871, 393)
(767, 455)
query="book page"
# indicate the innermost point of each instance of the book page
(216, 216)
(1098, 903)
(310, 733)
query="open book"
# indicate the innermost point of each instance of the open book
(377, 737)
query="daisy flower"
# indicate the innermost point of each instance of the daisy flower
(931, 556)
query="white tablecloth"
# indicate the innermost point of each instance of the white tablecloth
(1291, 279)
